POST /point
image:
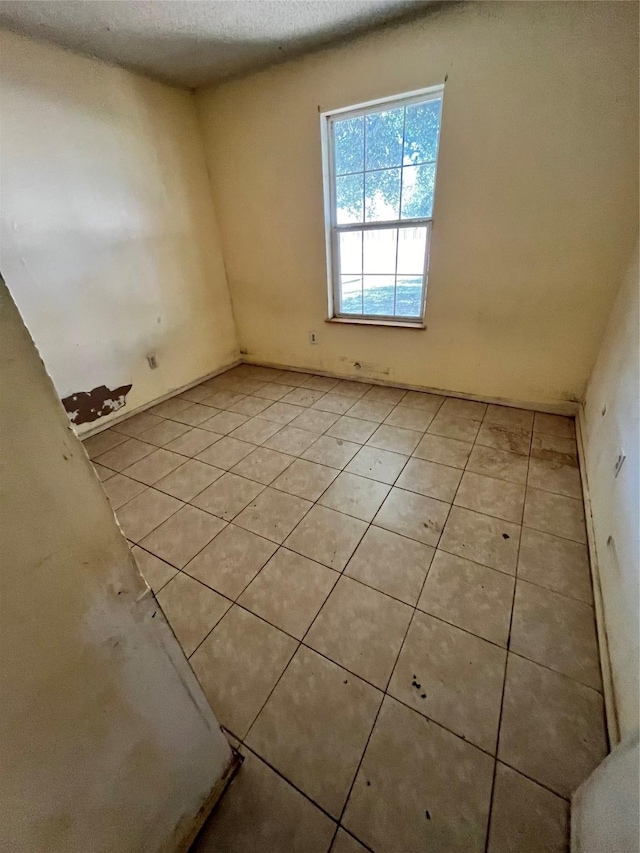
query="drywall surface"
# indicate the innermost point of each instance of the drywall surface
(536, 207)
(109, 239)
(107, 743)
(610, 425)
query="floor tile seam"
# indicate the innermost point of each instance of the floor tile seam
(506, 662)
(172, 513)
(564, 595)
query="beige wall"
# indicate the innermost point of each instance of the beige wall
(108, 744)
(615, 501)
(535, 211)
(109, 239)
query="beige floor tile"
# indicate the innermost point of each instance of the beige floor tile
(195, 395)
(223, 399)
(552, 727)
(412, 515)
(226, 452)
(430, 479)
(352, 429)
(351, 388)
(491, 496)
(273, 514)
(137, 424)
(216, 383)
(121, 489)
(383, 394)
(281, 413)
(189, 479)
(555, 563)
(473, 597)
(256, 430)
(459, 408)
(192, 610)
(272, 391)
(103, 473)
(156, 572)
(554, 425)
(263, 465)
(361, 629)
(377, 464)
(169, 407)
(314, 420)
(143, 514)
(314, 727)
(555, 448)
(345, 843)
(289, 591)
(482, 539)
(334, 403)
(419, 788)
(305, 479)
(334, 452)
(492, 435)
(410, 418)
(192, 415)
(125, 454)
(320, 383)
(516, 420)
(250, 406)
(391, 563)
(370, 410)
(178, 539)
(452, 677)
(291, 440)
(292, 377)
(395, 439)
(193, 442)
(302, 397)
(526, 818)
(555, 477)
(353, 495)
(154, 467)
(453, 426)
(555, 514)
(224, 422)
(327, 536)
(231, 561)
(261, 813)
(245, 385)
(501, 464)
(238, 666)
(164, 432)
(228, 496)
(446, 451)
(423, 400)
(557, 632)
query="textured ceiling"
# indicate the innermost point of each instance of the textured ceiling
(193, 42)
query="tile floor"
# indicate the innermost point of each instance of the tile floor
(385, 596)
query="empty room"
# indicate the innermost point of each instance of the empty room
(320, 475)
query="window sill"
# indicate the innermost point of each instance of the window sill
(361, 321)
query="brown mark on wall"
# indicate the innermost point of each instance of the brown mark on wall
(87, 406)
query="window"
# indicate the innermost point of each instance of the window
(380, 173)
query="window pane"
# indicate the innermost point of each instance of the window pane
(418, 183)
(384, 139)
(380, 250)
(422, 124)
(409, 296)
(349, 145)
(411, 246)
(350, 294)
(382, 200)
(349, 199)
(379, 294)
(351, 252)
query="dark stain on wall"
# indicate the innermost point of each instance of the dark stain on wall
(87, 406)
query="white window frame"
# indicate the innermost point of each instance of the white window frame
(333, 230)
